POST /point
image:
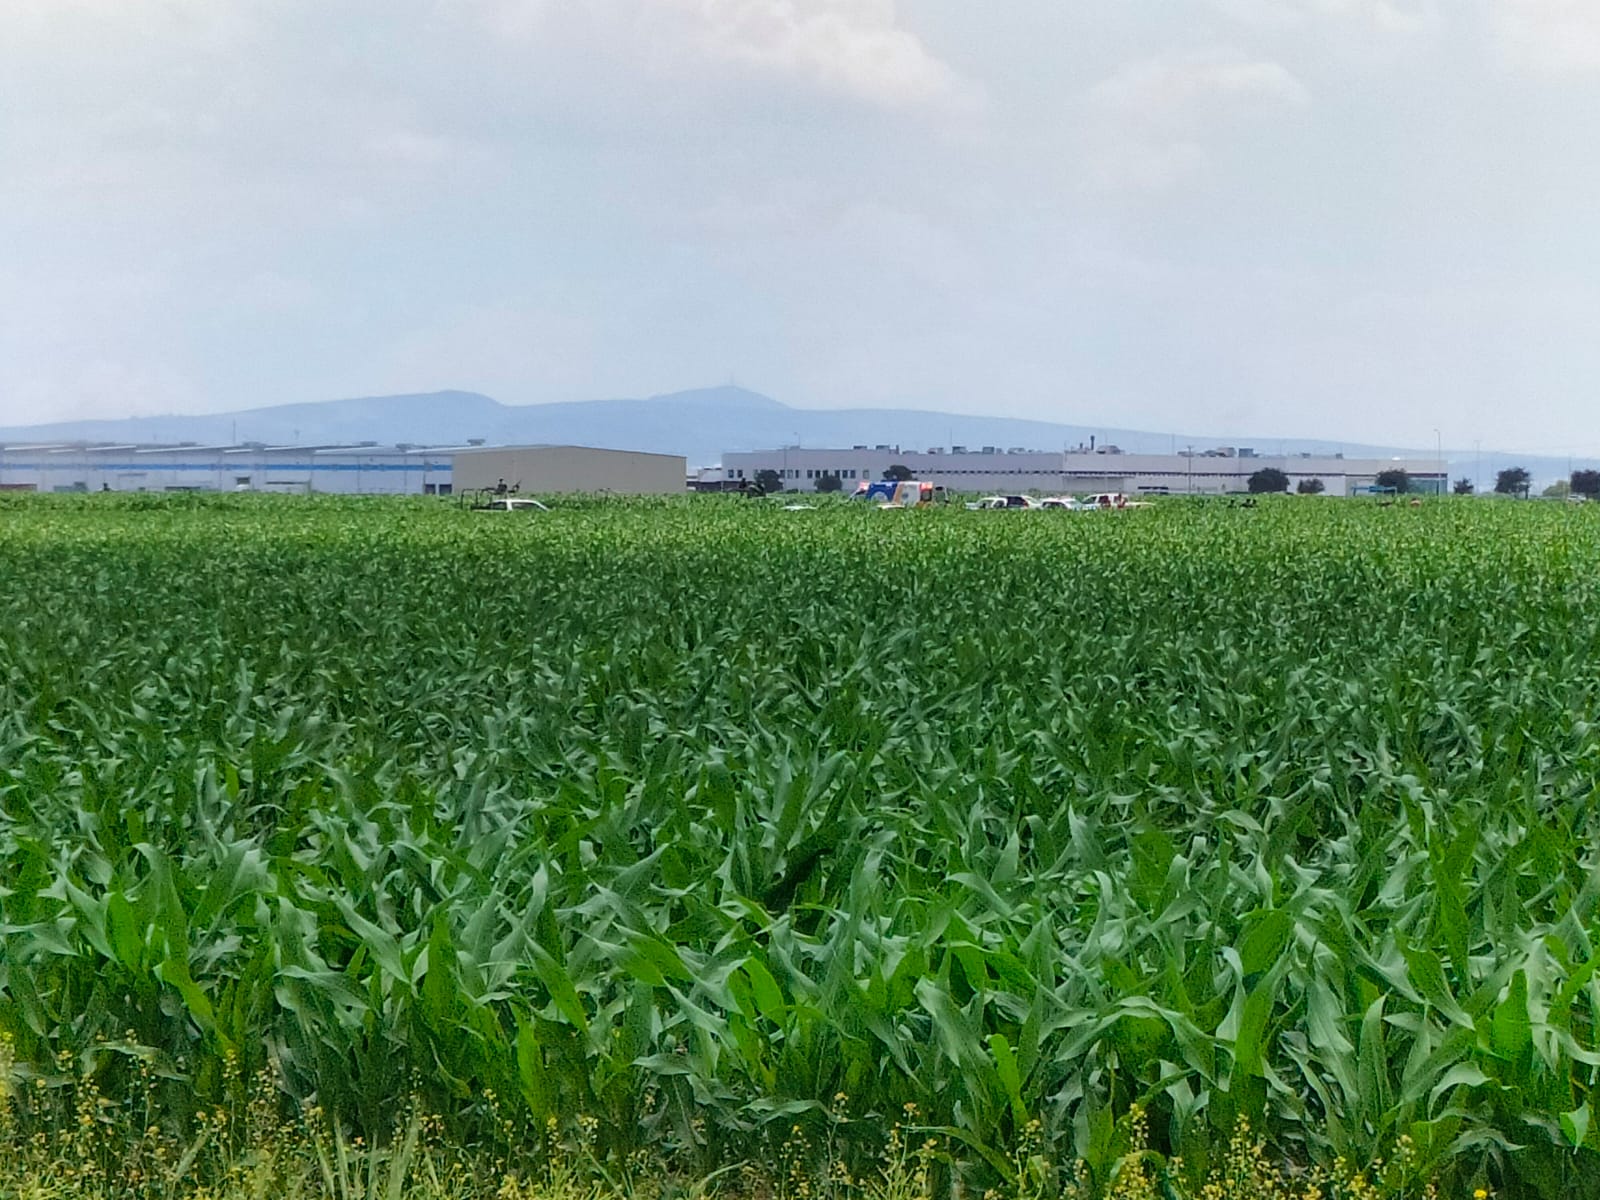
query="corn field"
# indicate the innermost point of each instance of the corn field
(704, 826)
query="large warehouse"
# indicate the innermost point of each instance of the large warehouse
(990, 469)
(248, 468)
(570, 469)
(348, 469)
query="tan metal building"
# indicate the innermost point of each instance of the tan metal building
(570, 469)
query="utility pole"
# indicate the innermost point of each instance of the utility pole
(1191, 470)
(1438, 457)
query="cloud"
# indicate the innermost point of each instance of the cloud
(1135, 165)
(1553, 37)
(1168, 88)
(775, 237)
(1150, 118)
(858, 49)
(203, 114)
(1383, 16)
(79, 344)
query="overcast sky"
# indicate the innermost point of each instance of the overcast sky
(1362, 219)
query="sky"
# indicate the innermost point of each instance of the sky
(1372, 220)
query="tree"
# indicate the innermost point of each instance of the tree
(1513, 481)
(1268, 479)
(1311, 487)
(1559, 490)
(1397, 478)
(829, 483)
(769, 481)
(1463, 487)
(899, 474)
(1586, 483)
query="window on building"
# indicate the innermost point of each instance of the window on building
(730, 474)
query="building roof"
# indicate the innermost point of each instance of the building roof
(564, 446)
(237, 448)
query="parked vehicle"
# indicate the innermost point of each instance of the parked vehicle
(508, 504)
(893, 493)
(1023, 502)
(1112, 500)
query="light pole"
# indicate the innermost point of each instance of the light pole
(1191, 470)
(1438, 456)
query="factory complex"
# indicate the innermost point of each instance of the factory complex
(369, 468)
(1086, 469)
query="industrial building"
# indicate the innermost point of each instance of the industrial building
(570, 469)
(248, 467)
(1085, 469)
(366, 468)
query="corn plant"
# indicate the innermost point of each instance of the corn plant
(702, 822)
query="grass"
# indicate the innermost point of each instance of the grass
(1095, 838)
(90, 1146)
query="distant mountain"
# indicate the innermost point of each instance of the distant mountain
(697, 424)
(433, 417)
(700, 425)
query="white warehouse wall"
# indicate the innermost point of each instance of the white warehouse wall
(340, 470)
(1055, 471)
